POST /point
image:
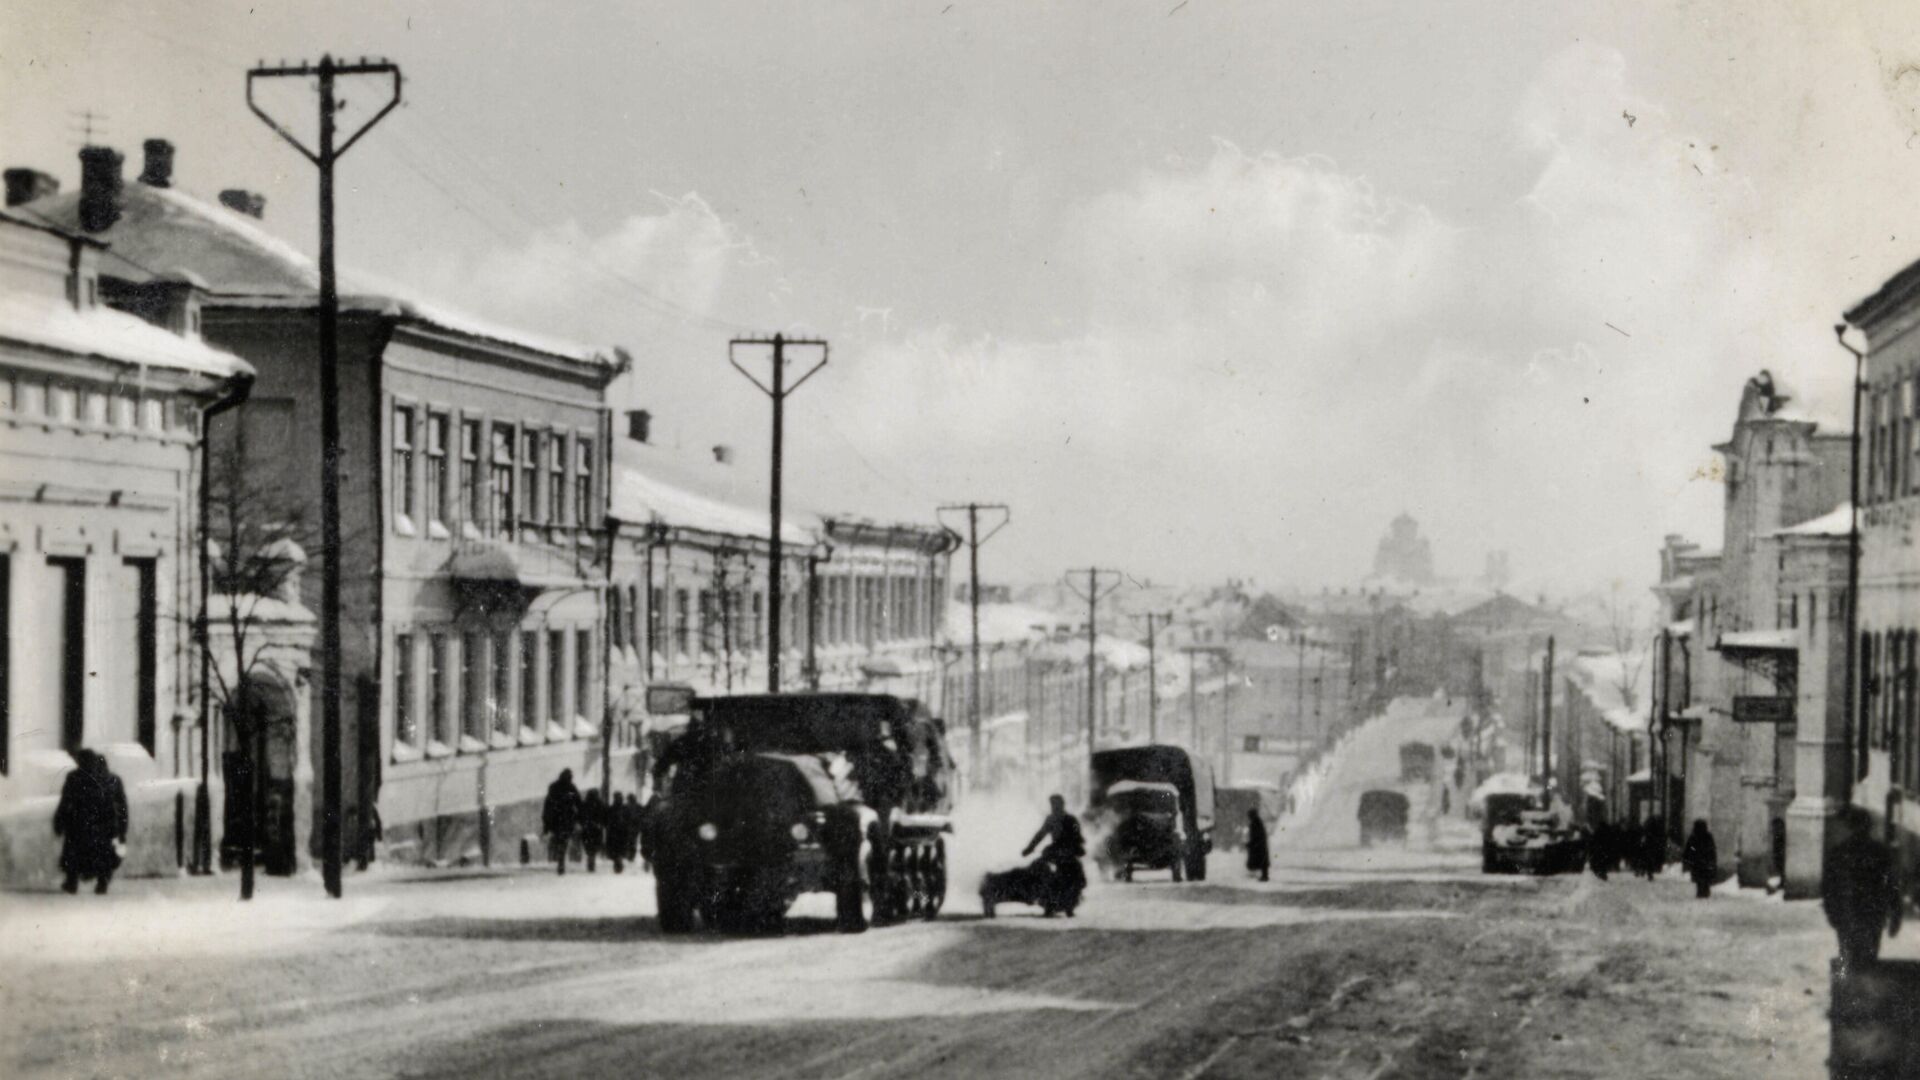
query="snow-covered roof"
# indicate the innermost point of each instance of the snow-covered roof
(1607, 678)
(1001, 622)
(54, 323)
(1836, 522)
(163, 232)
(652, 484)
(1771, 640)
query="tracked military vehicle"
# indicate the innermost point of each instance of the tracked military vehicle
(765, 797)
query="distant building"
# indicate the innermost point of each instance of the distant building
(101, 420)
(1403, 554)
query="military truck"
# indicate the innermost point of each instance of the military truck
(764, 797)
(1416, 762)
(1383, 817)
(1134, 768)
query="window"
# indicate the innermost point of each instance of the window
(656, 621)
(529, 476)
(530, 679)
(500, 506)
(709, 621)
(614, 622)
(473, 688)
(143, 633)
(759, 620)
(405, 720)
(472, 478)
(440, 722)
(403, 504)
(1905, 466)
(437, 469)
(502, 698)
(583, 673)
(68, 618)
(556, 479)
(682, 622)
(557, 677)
(583, 482)
(632, 630)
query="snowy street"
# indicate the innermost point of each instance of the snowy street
(1349, 963)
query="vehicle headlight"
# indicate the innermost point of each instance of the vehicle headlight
(800, 831)
(707, 831)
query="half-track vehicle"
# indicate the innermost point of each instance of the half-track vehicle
(765, 797)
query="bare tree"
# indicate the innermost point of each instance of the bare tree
(1624, 629)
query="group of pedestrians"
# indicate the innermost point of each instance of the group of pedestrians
(603, 826)
(1642, 850)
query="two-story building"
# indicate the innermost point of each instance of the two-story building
(101, 416)
(473, 495)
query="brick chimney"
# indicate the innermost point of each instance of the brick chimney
(100, 186)
(242, 201)
(639, 425)
(723, 454)
(26, 185)
(158, 169)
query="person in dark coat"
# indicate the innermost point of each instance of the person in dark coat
(90, 818)
(1603, 850)
(618, 839)
(633, 815)
(1259, 860)
(593, 826)
(560, 817)
(1859, 891)
(1701, 858)
(1651, 855)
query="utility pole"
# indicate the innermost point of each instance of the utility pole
(1546, 727)
(778, 393)
(1851, 739)
(328, 71)
(1153, 672)
(1100, 584)
(973, 540)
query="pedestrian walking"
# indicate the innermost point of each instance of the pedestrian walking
(560, 817)
(90, 819)
(1701, 859)
(1859, 891)
(617, 832)
(1259, 859)
(1603, 850)
(633, 816)
(1651, 855)
(593, 826)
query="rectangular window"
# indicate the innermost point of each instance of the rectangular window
(557, 678)
(583, 482)
(437, 468)
(439, 720)
(405, 719)
(656, 618)
(556, 479)
(682, 622)
(1905, 448)
(474, 685)
(583, 674)
(616, 624)
(529, 476)
(69, 620)
(633, 616)
(473, 480)
(502, 697)
(530, 679)
(759, 621)
(500, 508)
(709, 623)
(145, 648)
(403, 504)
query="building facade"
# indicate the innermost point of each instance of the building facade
(473, 505)
(101, 416)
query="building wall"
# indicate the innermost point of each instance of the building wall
(1814, 569)
(97, 472)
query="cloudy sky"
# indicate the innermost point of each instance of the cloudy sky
(1200, 288)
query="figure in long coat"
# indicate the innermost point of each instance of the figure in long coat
(91, 816)
(1860, 891)
(560, 817)
(1701, 858)
(1259, 860)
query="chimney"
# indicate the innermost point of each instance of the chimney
(158, 170)
(26, 185)
(639, 425)
(723, 454)
(99, 187)
(242, 201)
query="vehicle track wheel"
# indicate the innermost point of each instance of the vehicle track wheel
(1179, 868)
(937, 880)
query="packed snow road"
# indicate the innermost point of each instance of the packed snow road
(1350, 963)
